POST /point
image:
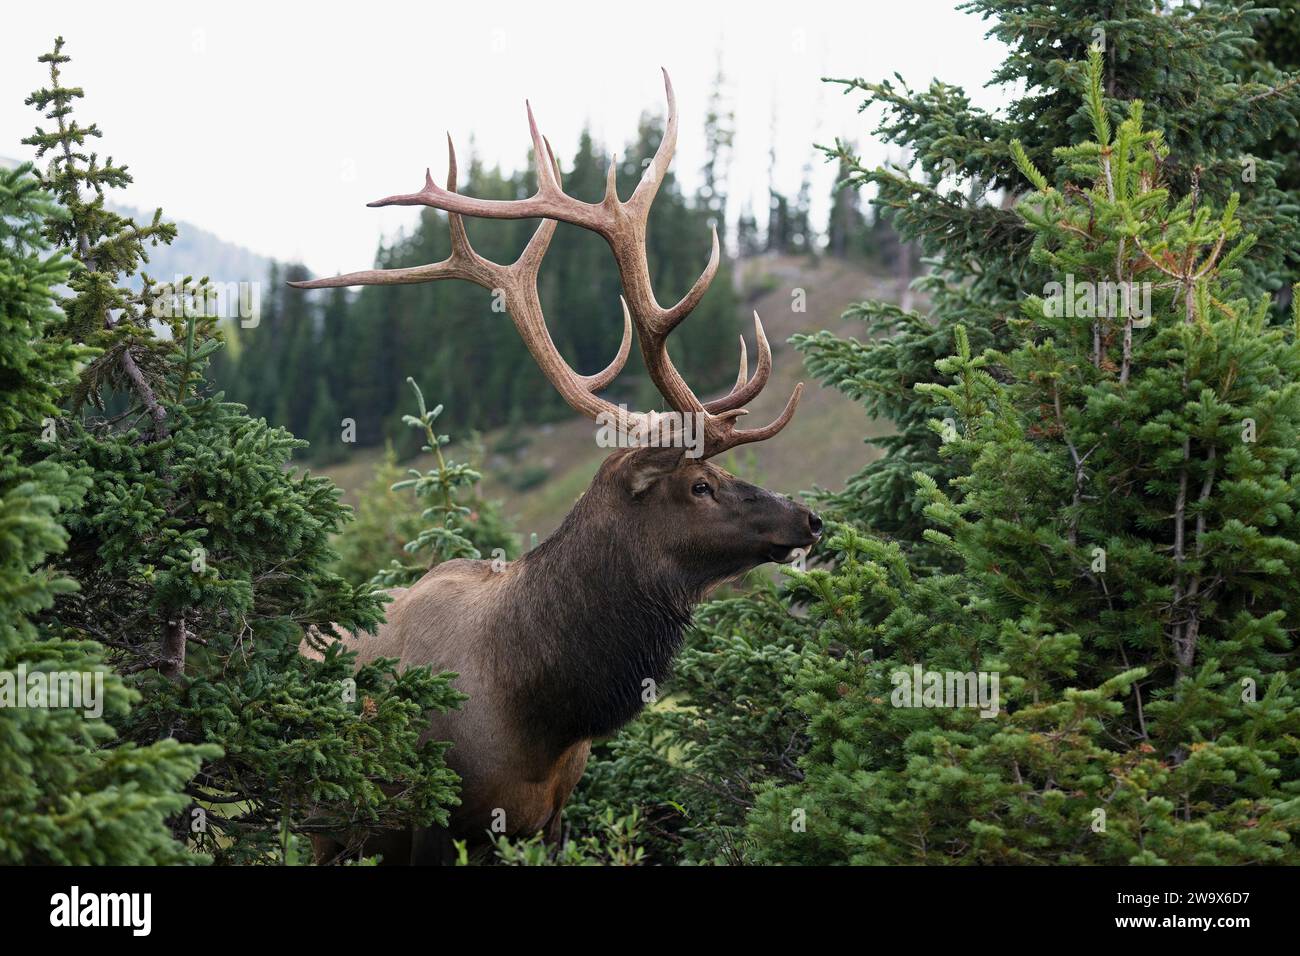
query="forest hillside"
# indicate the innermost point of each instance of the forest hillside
(537, 477)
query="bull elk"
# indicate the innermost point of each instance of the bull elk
(554, 649)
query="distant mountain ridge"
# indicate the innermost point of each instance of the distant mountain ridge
(196, 251)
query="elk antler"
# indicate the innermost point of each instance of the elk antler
(623, 226)
(518, 285)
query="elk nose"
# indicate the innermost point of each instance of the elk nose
(814, 523)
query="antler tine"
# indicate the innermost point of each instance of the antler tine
(459, 237)
(623, 226)
(627, 237)
(548, 179)
(549, 202)
(518, 283)
(669, 319)
(530, 260)
(744, 391)
(611, 182)
(743, 374)
(409, 276)
(728, 436)
(624, 231)
(648, 187)
(602, 379)
(462, 263)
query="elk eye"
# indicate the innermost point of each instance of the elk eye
(700, 488)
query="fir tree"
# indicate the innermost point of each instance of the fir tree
(100, 312)
(797, 755)
(1219, 125)
(202, 558)
(1124, 534)
(69, 792)
(1275, 58)
(385, 521)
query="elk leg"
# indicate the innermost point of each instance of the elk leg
(554, 829)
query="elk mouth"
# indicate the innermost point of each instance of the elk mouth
(785, 553)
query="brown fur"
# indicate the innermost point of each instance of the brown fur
(557, 647)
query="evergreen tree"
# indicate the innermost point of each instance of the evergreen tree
(298, 370)
(457, 523)
(614, 841)
(385, 521)
(1276, 60)
(202, 559)
(69, 792)
(1124, 534)
(749, 242)
(1218, 127)
(846, 227)
(719, 139)
(324, 426)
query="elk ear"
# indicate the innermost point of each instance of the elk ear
(643, 467)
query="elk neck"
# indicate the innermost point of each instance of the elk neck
(592, 613)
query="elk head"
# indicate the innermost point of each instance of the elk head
(706, 522)
(718, 525)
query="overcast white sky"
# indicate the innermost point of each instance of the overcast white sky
(272, 124)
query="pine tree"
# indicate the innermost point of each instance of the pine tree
(69, 793)
(1124, 532)
(202, 558)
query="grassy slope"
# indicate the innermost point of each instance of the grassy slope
(821, 447)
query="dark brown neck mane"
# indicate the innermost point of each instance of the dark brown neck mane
(591, 619)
